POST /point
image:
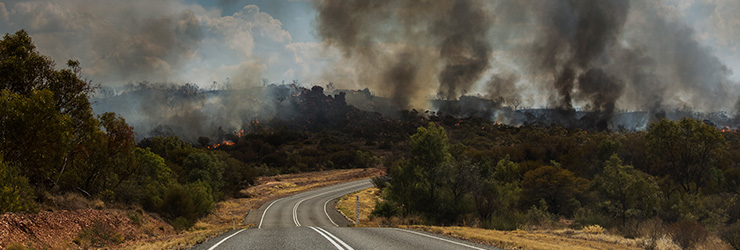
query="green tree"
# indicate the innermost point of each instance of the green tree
(416, 183)
(46, 116)
(34, 136)
(558, 187)
(684, 151)
(628, 193)
(497, 190)
(429, 152)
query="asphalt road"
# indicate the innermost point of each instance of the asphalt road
(309, 220)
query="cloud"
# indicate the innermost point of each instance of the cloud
(156, 41)
(3, 12)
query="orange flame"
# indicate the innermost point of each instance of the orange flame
(727, 130)
(223, 143)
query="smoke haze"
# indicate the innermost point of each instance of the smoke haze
(572, 56)
(599, 56)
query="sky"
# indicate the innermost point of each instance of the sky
(242, 42)
(199, 42)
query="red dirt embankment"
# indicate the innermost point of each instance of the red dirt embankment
(59, 229)
(77, 225)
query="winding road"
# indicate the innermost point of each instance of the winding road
(309, 220)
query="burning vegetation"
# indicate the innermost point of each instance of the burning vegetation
(611, 113)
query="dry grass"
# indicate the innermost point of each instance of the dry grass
(347, 205)
(534, 239)
(235, 210)
(593, 229)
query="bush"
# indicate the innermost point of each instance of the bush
(380, 181)
(98, 235)
(385, 209)
(107, 195)
(508, 220)
(586, 216)
(16, 246)
(177, 203)
(687, 233)
(731, 234)
(136, 217)
(539, 216)
(593, 229)
(200, 194)
(15, 193)
(181, 223)
(190, 202)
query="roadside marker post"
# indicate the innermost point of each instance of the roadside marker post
(357, 212)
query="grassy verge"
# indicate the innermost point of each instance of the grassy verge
(517, 239)
(347, 205)
(547, 239)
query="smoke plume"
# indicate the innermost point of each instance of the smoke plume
(597, 56)
(444, 38)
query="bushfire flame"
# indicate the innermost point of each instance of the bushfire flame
(223, 143)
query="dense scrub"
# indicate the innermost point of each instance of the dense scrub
(681, 173)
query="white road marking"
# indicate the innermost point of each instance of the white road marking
(327, 237)
(337, 238)
(327, 214)
(263, 213)
(295, 208)
(222, 241)
(438, 238)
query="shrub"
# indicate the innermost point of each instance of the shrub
(731, 234)
(593, 229)
(587, 216)
(98, 235)
(16, 246)
(200, 194)
(508, 220)
(539, 216)
(177, 203)
(385, 209)
(15, 192)
(136, 217)
(687, 233)
(181, 223)
(189, 202)
(107, 195)
(71, 201)
(380, 181)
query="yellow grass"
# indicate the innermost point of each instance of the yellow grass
(534, 239)
(347, 205)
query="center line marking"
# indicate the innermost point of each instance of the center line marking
(327, 238)
(295, 208)
(333, 239)
(336, 238)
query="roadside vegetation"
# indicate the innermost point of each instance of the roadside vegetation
(677, 180)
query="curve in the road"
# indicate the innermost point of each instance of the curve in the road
(320, 228)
